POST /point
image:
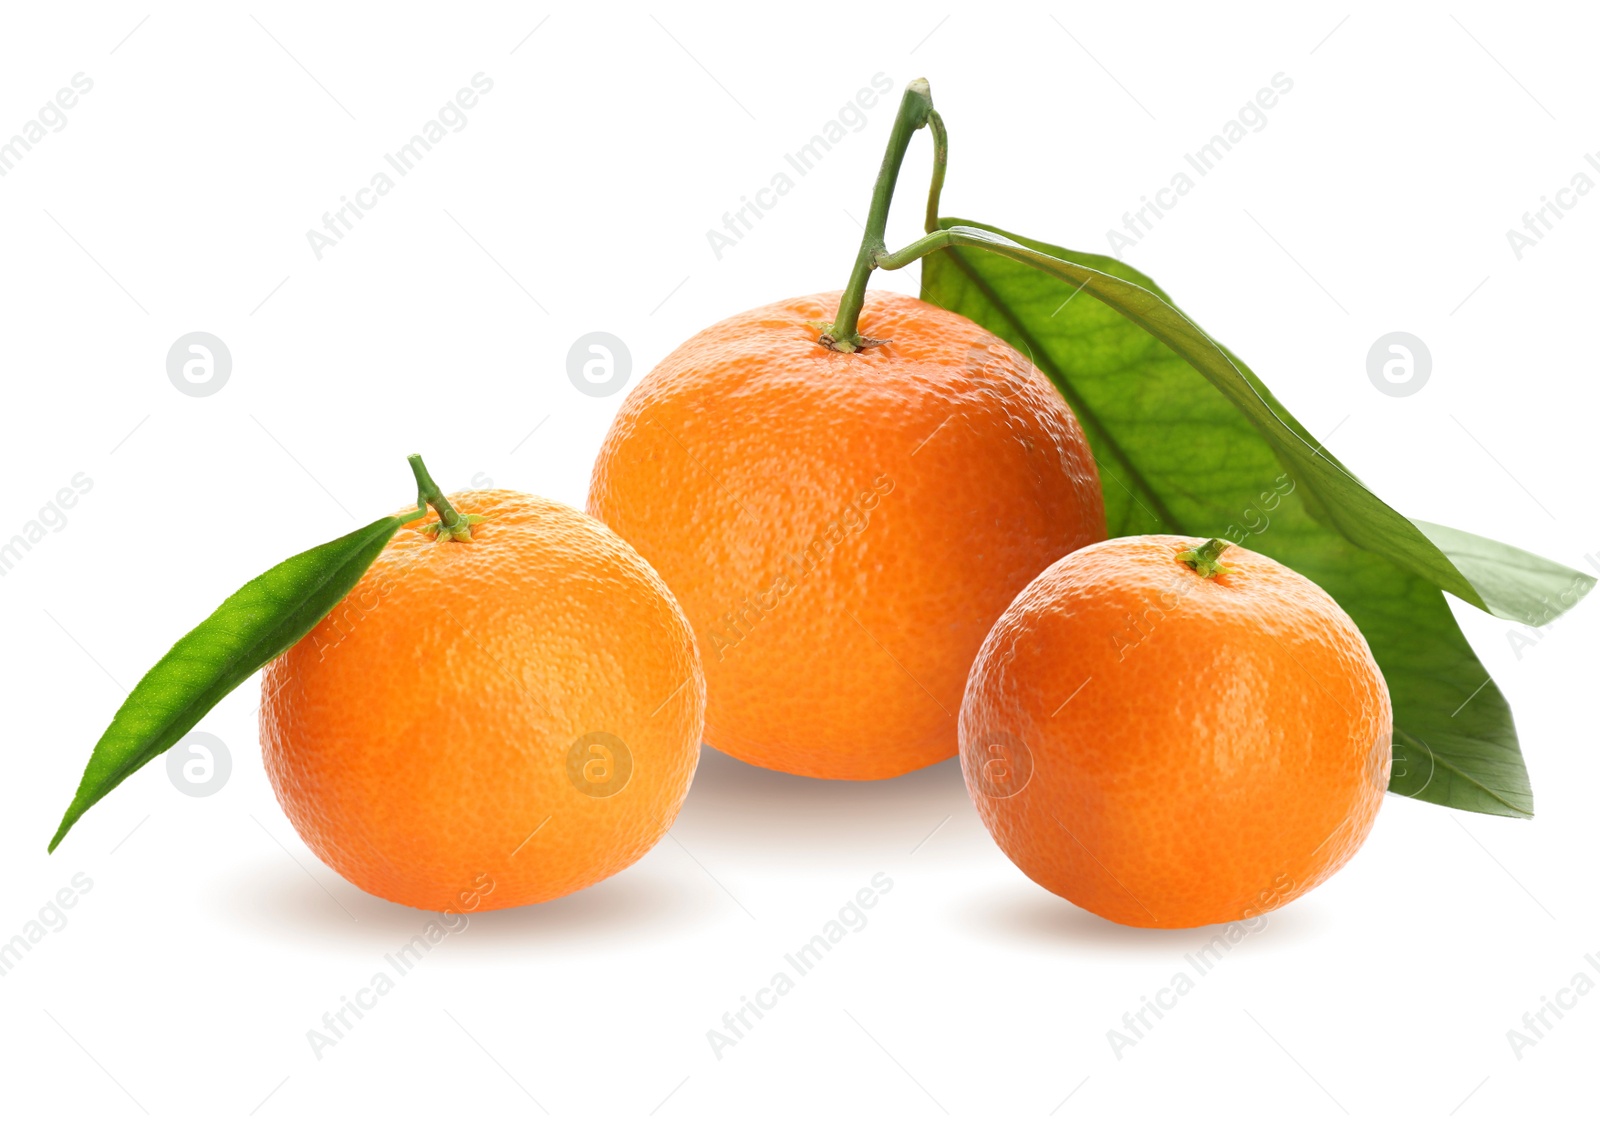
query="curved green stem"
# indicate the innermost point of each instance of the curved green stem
(941, 156)
(915, 107)
(452, 524)
(916, 249)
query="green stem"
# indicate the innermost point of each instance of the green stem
(941, 156)
(915, 107)
(936, 239)
(452, 524)
(1204, 558)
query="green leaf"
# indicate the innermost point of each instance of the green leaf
(261, 621)
(1529, 588)
(1188, 440)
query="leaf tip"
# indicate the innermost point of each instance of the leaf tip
(68, 819)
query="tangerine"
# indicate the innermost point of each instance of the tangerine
(490, 722)
(1170, 737)
(843, 528)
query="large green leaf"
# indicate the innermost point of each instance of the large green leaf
(1188, 440)
(260, 621)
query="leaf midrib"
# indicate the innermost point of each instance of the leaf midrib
(1457, 770)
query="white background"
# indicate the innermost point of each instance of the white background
(577, 198)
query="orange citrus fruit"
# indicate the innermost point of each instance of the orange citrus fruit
(842, 529)
(1167, 744)
(493, 722)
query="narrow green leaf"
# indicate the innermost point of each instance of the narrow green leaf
(259, 622)
(1188, 440)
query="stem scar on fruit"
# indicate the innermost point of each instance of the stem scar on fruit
(1204, 558)
(452, 526)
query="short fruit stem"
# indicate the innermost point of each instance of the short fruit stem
(1203, 559)
(916, 105)
(452, 524)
